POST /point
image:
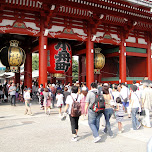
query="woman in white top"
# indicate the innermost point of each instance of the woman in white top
(74, 120)
(59, 99)
(135, 106)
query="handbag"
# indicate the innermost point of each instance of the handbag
(142, 113)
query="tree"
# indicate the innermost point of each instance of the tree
(35, 62)
(74, 70)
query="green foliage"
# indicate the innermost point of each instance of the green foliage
(35, 62)
(74, 70)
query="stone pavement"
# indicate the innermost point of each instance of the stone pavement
(43, 133)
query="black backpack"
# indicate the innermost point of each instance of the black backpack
(99, 105)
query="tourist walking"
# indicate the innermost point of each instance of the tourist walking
(124, 96)
(41, 97)
(108, 109)
(1, 93)
(46, 97)
(119, 113)
(93, 117)
(65, 94)
(147, 104)
(59, 99)
(73, 120)
(135, 107)
(12, 92)
(83, 101)
(27, 99)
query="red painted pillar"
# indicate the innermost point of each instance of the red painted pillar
(42, 56)
(122, 61)
(89, 60)
(17, 77)
(149, 64)
(28, 70)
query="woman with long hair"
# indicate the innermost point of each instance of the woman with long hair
(108, 109)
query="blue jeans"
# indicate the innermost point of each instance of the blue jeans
(108, 113)
(135, 122)
(94, 122)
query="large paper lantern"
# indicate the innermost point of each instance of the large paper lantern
(99, 61)
(12, 57)
(59, 57)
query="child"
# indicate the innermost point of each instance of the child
(59, 99)
(119, 113)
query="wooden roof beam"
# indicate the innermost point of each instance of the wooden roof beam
(108, 8)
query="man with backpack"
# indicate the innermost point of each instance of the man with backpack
(94, 110)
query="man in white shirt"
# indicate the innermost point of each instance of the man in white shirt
(12, 91)
(124, 94)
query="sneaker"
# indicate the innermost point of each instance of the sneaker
(122, 129)
(119, 132)
(63, 118)
(60, 115)
(132, 129)
(97, 139)
(77, 136)
(74, 139)
(103, 132)
(139, 126)
(111, 136)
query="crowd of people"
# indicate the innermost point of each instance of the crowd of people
(119, 99)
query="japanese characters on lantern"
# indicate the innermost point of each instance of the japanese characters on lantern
(59, 57)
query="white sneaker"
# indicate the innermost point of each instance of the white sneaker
(97, 139)
(111, 136)
(119, 132)
(103, 132)
(122, 129)
(60, 115)
(74, 139)
(139, 126)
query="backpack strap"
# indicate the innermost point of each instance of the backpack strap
(73, 98)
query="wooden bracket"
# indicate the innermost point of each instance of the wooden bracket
(129, 27)
(96, 21)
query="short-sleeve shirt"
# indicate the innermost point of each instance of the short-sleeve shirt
(90, 98)
(69, 100)
(135, 100)
(12, 88)
(59, 98)
(27, 96)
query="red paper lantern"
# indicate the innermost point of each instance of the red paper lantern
(59, 57)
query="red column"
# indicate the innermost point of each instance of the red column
(149, 64)
(89, 60)
(28, 70)
(17, 77)
(42, 56)
(122, 61)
